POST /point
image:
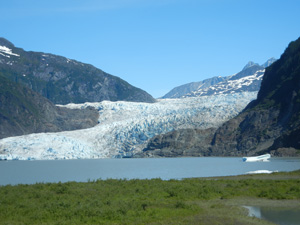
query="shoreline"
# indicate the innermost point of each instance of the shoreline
(210, 200)
(126, 158)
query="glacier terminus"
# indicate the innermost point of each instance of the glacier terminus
(125, 127)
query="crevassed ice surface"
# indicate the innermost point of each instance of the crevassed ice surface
(125, 127)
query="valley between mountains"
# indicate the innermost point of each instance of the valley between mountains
(57, 108)
(125, 127)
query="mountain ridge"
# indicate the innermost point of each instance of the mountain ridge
(63, 80)
(179, 91)
(210, 85)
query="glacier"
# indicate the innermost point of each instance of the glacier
(125, 127)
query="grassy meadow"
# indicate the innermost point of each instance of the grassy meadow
(187, 201)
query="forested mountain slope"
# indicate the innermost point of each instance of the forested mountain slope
(63, 80)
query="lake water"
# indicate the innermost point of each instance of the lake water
(278, 215)
(30, 172)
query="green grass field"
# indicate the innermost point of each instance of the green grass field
(188, 201)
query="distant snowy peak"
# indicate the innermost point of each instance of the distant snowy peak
(248, 79)
(269, 62)
(182, 90)
(249, 64)
(243, 84)
(265, 65)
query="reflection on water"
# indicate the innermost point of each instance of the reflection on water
(282, 216)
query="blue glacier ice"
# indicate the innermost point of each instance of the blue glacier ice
(125, 127)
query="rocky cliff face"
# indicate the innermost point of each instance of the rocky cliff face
(184, 142)
(269, 124)
(22, 111)
(63, 80)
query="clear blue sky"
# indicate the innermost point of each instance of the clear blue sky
(155, 45)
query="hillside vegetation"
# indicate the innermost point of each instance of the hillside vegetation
(188, 201)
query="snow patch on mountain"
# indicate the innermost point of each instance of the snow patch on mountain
(202, 87)
(125, 127)
(182, 90)
(247, 83)
(7, 52)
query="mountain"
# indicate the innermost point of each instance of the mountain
(182, 90)
(250, 64)
(269, 62)
(63, 80)
(125, 127)
(22, 111)
(271, 123)
(249, 79)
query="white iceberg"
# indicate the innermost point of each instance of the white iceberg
(261, 171)
(260, 158)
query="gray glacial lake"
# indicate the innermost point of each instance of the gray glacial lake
(277, 215)
(30, 172)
